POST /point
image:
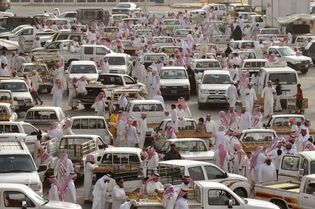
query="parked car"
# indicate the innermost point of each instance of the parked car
(126, 8)
(251, 138)
(119, 63)
(7, 113)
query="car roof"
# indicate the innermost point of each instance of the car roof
(13, 81)
(32, 63)
(80, 136)
(173, 68)
(288, 115)
(45, 108)
(116, 55)
(309, 154)
(258, 130)
(123, 150)
(283, 69)
(87, 117)
(184, 162)
(205, 60)
(216, 72)
(82, 62)
(184, 139)
(13, 122)
(186, 119)
(255, 60)
(146, 101)
(211, 184)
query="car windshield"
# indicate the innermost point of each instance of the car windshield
(14, 87)
(207, 64)
(258, 136)
(116, 61)
(284, 78)
(163, 40)
(286, 51)
(39, 68)
(80, 69)
(173, 74)
(16, 163)
(216, 79)
(123, 5)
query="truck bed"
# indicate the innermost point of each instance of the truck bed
(290, 186)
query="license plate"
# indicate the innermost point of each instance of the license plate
(173, 91)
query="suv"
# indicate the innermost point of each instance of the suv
(174, 82)
(17, 164)
(297, 62)
(20, 93)
(212, 87)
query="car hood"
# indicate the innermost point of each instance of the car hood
(253, 203)
(20, 178)
(92, 76)
(117, 67)
(236, 176)
(7, 34)
(174, 82)
(298, 58)
(215, 86)
(24, 95)
(207, 155)
(61, 205)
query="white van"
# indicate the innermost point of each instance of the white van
(288, 79)
(17, 164)
(119, 63)
(95, 125)
(155, 110)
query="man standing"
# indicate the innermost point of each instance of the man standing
(131, 134)
(267, 94)
(119, 195)
(267, 172)
(210, 124)
(89, 166)
(299, 99)
(231, 95)
(250, 98)
(153, 184)
(278, 107)
(245, 120)
(99, 194)
(142, 129)
(174, 117)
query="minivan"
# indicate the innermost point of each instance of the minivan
(155, 110)
(95, 125)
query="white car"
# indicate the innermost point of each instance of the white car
(77, 69)
(174, 82)
(119, 63)
(70, 15)
(125, 8)
(212, 87)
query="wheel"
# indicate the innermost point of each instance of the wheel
(241, 192)
(87, 106)
(279, 203)
(304, 71)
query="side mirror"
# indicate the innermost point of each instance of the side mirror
(230, 204)
(42, 168)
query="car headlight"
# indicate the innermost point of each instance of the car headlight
(298, 62)
(186, 87)
(203, 91)
(36, 187)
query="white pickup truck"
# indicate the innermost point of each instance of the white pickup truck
(212, 195)
(172, 171)
(21, 196)
(297, 166)
(289, 194)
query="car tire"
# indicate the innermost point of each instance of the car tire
(304, 71)
(280, 204)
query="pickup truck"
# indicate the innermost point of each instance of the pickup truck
(289, 194)
(251, 138)
(21, 196)
(108, 82)
(210, 195)
(86, 52)
(297, 166)
(173, 171)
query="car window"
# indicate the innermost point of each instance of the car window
(76, 124)
(108, 158)
(101, 51)
(15, 199)
(92, 123)
(159, 108)
(290, 163)
(128, 80)
(83, 69)
(258, 136)
(16, 163)
(29, 115)
(88, 50)
(28, 129)
(197, 173)
(213, 172)
(220, 197)
(84, 124)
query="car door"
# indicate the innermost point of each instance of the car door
(15, 199)
(289, 167)
(306, 197)
(196, 172)
(219, 199)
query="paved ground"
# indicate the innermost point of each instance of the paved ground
(307, 81)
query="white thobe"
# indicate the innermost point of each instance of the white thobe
(225, 166)
(299, 142)
(241, 165)
(256, 121)
(104, 68)
(174, 118)
(267, 94)
(142, 128)
(63, 174)
(169, 202)
(99, 107)
(221, 138)
(55, 133)
(125, 205)
(250, 98)
(57, 96)
(119, 197)
(181, 120)
(231, 95)
(121, 134)
(142, 74)
(81, 87)
(275, 157)
(152, 186)
(181, 203)
(132, 136)
(88, 177)
(267, 173)
(245, 121)
(123, 102)
(53, 193)
(155, 86)
(153, 163)
(210, 126)
(71, 194)
(260, 160)
(99, 194)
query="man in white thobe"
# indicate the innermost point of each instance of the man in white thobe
(89, 166)
(131, 135)
(119, 195)
(267, 172)
(245, 121)
(231, 95)
(210, 124)
(99, 194)
(221, 138)
(301, 139)
(267, 94)
(153, 184)
(181, 201)
(142, 129)
(250, 98)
